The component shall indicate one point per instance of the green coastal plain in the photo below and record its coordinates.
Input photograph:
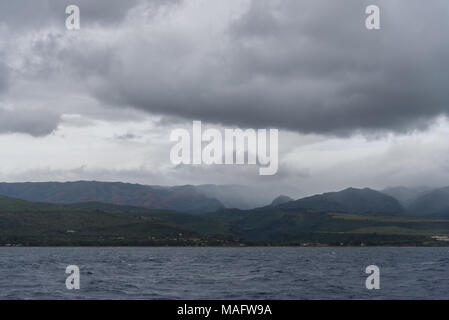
(24, 223)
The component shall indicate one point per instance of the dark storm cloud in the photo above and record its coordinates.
(32, 122)
(23, 14)
(35, 49)
(308, 66)
(4, 77)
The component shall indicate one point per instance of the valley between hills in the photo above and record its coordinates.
(116, 214)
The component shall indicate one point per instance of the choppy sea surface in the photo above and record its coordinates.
(224, 273)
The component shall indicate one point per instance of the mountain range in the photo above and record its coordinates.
(179, 198)
(394, 201)
(24, 223)
(351, 200)
(422, 201)
(101, 213)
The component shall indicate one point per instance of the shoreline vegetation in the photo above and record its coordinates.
(207, 243)
(329, 220)
(211, 246)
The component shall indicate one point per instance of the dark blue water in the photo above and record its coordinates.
(224, 273)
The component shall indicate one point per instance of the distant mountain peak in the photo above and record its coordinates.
(182, 198)
(281, 200)
(433, 203)
(406, 195)
(349, 200)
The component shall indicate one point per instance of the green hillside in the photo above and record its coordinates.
(179, 198)
(279, 226)
(99, 224)
(350, 200)
(27, 223)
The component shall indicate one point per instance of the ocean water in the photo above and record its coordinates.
(224, 273)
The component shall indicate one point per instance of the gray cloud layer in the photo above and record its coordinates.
(308, 66)
(25, 14)
(4, 78)
(33, 122)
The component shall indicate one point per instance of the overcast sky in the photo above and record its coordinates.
(354, 107)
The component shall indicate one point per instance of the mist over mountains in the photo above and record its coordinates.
(187, 198)
(394, 201)
(90, 213)
(422, 201)
(406, 195)
(434, 203)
